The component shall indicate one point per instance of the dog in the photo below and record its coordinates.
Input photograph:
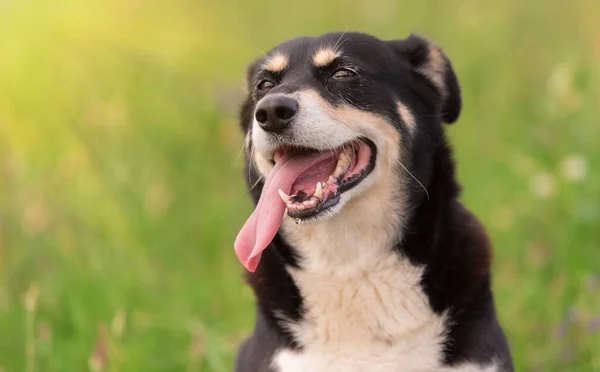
(359, 252)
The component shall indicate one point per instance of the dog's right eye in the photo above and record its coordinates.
(265, 85)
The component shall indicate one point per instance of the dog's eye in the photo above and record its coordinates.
(343, 73)
(265, 85)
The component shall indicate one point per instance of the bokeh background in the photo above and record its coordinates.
(121, 178)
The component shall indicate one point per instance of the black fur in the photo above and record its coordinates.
(441, 234)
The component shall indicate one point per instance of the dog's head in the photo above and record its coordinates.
(334, 119)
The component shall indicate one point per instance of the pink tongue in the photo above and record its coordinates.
(263, 224)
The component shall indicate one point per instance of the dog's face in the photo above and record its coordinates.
(341, 117)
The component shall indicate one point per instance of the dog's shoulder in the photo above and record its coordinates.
(255, 354)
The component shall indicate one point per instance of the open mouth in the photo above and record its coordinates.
(309, 182)
(331, 173)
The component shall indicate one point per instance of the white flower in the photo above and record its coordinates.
(574, 168)
(543, 185)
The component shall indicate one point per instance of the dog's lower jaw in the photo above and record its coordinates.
(366, 222)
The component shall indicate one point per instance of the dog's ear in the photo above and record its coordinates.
(246, 112)
(428, 61)
(247, 109)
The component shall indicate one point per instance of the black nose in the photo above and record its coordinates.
(274, 114)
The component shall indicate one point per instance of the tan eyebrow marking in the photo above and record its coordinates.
(407, 116)
(277, 62)
(324, 56)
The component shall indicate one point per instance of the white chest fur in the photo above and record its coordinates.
(374, 320)
(365, 309)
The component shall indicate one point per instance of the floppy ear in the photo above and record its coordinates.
(430, 62)
(246, 112)
(247, 107)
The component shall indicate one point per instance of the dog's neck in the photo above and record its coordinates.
(354, 239)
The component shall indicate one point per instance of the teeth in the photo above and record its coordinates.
(310, 203)
(331, 180)
(343, 159)
(319, 190)
(342, 162)
(338, 171)
(285, 197)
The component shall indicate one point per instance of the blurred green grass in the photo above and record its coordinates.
(120, 171)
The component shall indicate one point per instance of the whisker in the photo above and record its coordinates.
(344, 149)
(246, 144)
(255, 184)
(248, 137)
(261, 52)
(337, 43)
(250, 160)
(353, 147)
(415, 178)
